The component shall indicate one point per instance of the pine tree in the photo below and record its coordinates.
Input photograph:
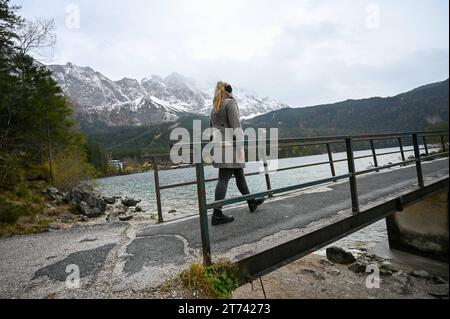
(35, 117)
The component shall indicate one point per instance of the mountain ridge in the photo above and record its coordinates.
(150, 101)
(409, 111)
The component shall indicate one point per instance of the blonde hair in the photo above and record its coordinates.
(220, 95)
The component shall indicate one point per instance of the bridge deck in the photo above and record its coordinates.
(288, 216)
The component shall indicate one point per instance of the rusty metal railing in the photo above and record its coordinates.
(348, 141)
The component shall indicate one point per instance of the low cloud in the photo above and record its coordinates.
(300, 52)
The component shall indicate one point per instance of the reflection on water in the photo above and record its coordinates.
(184, 200)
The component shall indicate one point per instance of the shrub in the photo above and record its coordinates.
(70, 169)
(9, 212)
(11, 170)
(218, 280)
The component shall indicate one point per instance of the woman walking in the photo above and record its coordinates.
(225, 115)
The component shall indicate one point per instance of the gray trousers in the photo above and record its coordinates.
(225, 175)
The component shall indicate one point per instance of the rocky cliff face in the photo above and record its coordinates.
(153, 100)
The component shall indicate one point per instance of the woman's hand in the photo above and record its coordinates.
(242, 155)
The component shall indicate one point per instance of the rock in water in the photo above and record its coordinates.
(110, 200)
(130, 202)
(338, 255)
(125, 218)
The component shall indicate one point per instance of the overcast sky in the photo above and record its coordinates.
(300, 52)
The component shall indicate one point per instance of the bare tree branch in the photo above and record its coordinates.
(36, 37)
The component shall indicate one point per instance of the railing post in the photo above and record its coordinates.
(157, 189)
(400, 143)
(330, 158)
(352, 172)
(374, 153)
(426, 146)
(443, 143)
(203, 212)
(418, 160)
(266, 173)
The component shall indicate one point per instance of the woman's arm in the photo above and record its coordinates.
(233, 114)
(235, 123)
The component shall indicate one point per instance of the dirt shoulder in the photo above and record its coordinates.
(314, 277)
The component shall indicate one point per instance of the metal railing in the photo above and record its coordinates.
(348, 141)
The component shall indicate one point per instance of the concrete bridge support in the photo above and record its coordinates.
(422, 228)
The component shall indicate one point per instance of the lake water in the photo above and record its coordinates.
(184, 200)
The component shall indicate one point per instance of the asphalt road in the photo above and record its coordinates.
(117, 260)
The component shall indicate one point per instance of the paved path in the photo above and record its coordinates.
(118, 260)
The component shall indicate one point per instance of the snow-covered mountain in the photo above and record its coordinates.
(153, 100)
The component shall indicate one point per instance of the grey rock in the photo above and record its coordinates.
(84, 218)
(121, 209)
(84, 208)
(130, 202)
(59, 199)
(438, 280)
(138, 209)
(110, 200)
(125, 218)
(66, 217)
(52, 191)
(358, 267)
(112, 216)
(89, 211)
(365, 260)
(387, 269)
(65, 197)
(89, 203)
(422, 274)
(404, 283)
(338, 255)
(53, 227)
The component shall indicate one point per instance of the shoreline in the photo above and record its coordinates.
(402, 275)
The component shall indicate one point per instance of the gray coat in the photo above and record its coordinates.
(227, 117)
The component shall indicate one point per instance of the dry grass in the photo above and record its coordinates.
(216, 281)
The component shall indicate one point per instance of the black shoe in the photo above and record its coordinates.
(254, 204)
(220, 218)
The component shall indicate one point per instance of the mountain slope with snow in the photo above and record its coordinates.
(151, 101)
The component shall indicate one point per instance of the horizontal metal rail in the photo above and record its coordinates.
(384, 167)
(191, 183)
(245, 198)
(337, 139)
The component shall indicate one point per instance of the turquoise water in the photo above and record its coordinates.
(184, 200)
